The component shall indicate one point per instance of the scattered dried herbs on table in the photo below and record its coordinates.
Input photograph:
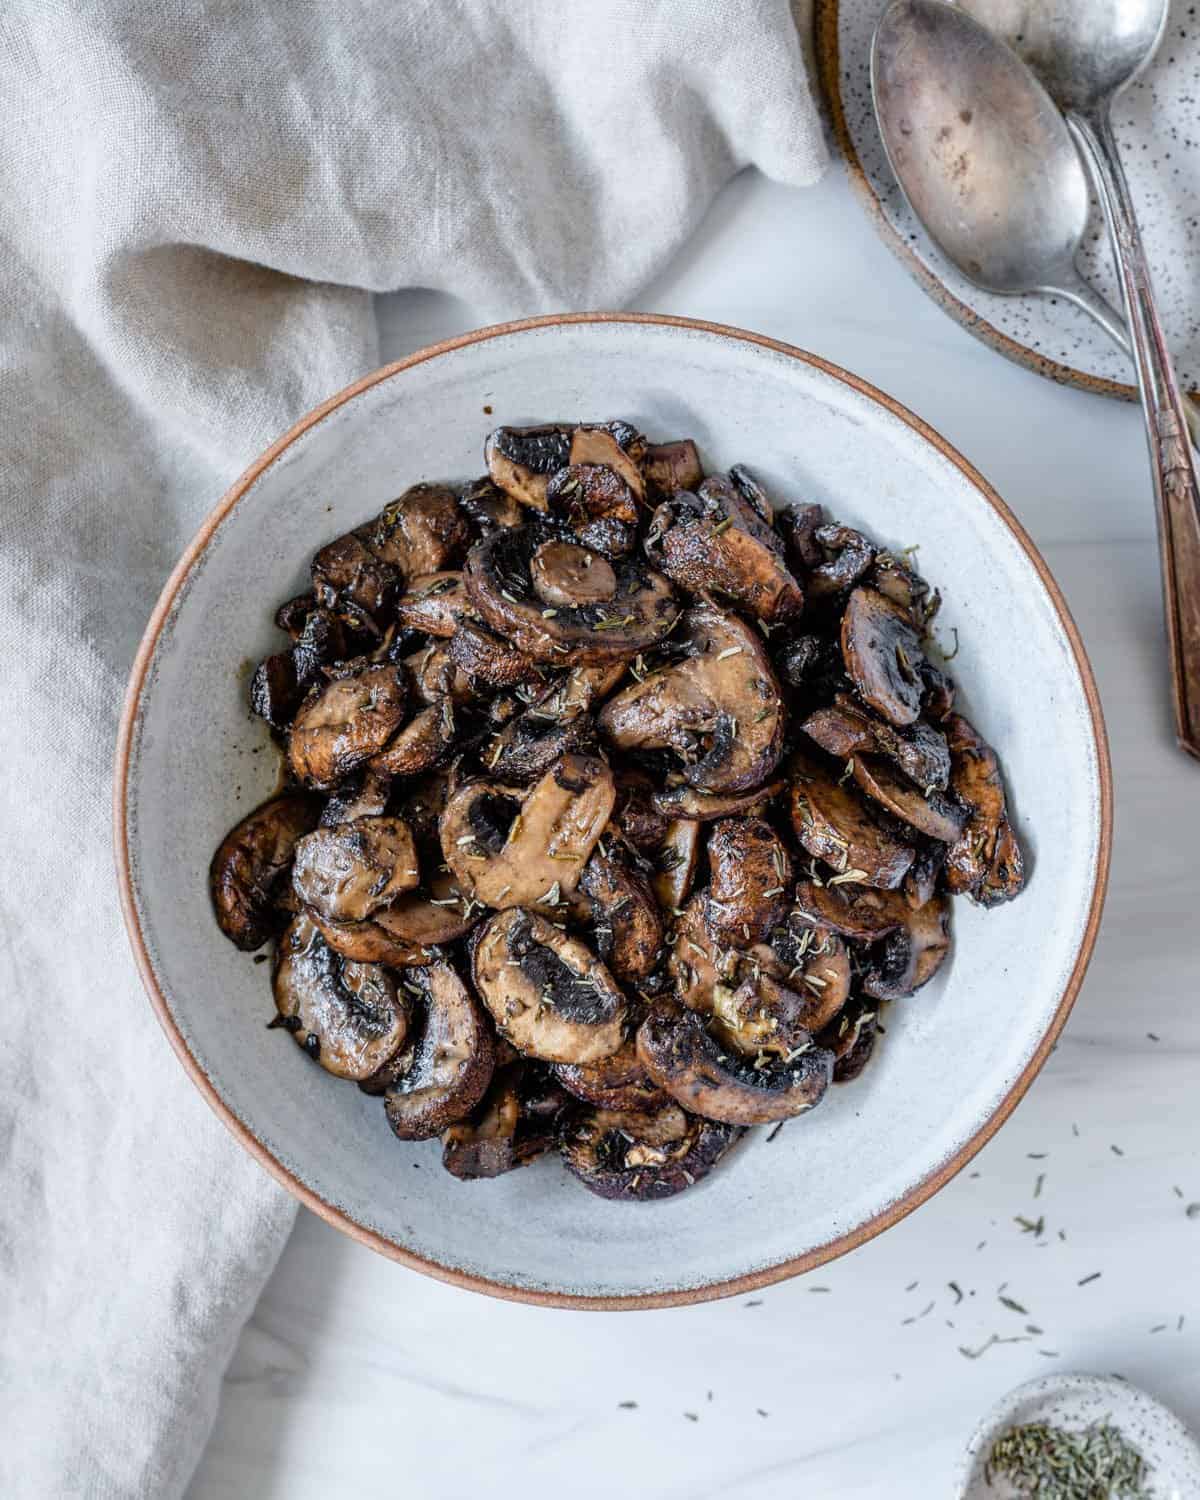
(1053, 1463)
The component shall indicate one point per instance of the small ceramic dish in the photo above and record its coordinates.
(956, 1058)
(1078, 1401)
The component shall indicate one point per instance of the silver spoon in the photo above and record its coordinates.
(986, 161)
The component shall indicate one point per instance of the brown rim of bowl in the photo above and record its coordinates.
(828, 58)
(754, 1280)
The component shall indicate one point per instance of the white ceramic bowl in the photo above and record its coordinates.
(956, 1057)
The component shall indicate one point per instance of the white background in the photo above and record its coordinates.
(356, 1376)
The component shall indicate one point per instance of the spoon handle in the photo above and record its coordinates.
(1175, 484)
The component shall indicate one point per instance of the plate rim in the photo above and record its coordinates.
(920, 1191)
(827, 51)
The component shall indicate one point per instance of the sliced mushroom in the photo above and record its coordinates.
(369, 943)
(435, 675)
(420, 533)
(686, 1060)
(598, 505)
(798, 525)
(513, 1123)
(719, 708)
(363, 795)
(345, 723)
(275, 691)
(675, 863)
(291, 615)
(643, 1157)
(716, 540)
(750, 879)
(422, 743)
(563, 573)
(499, 578)
(833, 823)
(521, 459)
(883, 656)
(685, 803)
(348, 872)
(548, 993)
(615, 1082)
(986, 860)
(434, 603)
(553, 725)
(858, 912)
(250, 869)
(347, 1016)
(438, 913)
(814, 663)
(521, 846)
(910, 957)
(486, 505)
(321, 644)
(447, 1070)
(752, 492)
(933, 813)
(487, 658)
(625, 917)
(354, 583)
(670, 467)
(852, 1041)
(924, 873)
(846, 729)
(896, 581)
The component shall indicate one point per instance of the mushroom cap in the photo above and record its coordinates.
(249, 870)
(883, 656)
(426, 739)
(349, 871)
(357, 585)
(547, 992)
(832, 822)
(369, 943)
(487, 658)
(719, 708)
(859, 912)
(675, 860)
(521, 460)
(852, 555)
(986, 859)
(933, 813)
(615, 1082)
(670, 467)
(422, 532)
(909, 957)
(625, 918)
(450, 1065)
(750, 879)
(566, 574)
(434, 603)
(643, 1156)
(345, 723)
(686, 804)
(598, 505)
(845, 729)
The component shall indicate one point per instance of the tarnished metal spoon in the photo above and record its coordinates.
(987, 163)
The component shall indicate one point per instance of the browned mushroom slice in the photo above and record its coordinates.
(438, 913)
(670, 467)
(933, 813)
(896, 581)
(643, 1157)
(349, 579)
(420, 533)
(422, 743)
(640, 611)
(488, 659)
(883, 656)
(486, 505)
(686, 1060)
(435, 675)
(616, 1082)
(752, 491)
(348, 872)
(750, 878)
(852, 1040)
(625, 917)
(986, 860)
(275, 690)
(719, 708)
(525, 846)
(548, 993)
(685, 803)
(250, 868)
(554, 724)
(858, 912)
(563, 573)
(514, 1122)
(848, 556)
(363, 795)
(798, 525)
(347, 1016)
(675, 863)
(434, 604)
(716, 540)
(447, 1070)
(291, 615)
(833, 823)
(598, 505)
(521, 460)
(846, 729)
(345, 723)
(321, 645)
(368, 943)
(766, 1017)
(921, 881)
(911, 956)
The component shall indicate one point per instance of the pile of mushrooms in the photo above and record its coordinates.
(618, 802)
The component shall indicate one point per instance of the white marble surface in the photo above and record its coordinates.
(356, 1376)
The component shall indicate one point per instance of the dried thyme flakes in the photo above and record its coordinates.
(1097, 1463)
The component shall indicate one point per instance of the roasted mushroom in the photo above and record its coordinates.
(354, 583)
(670, 467)
(345, 723)
(275, 690)
(750, 877)
(687, 804)
(434, 603)
(363, 795)
(348, 872)
(521, 460)
(347, 1016)
(445, 1073)
(553, 725)
(615, 1082)
(488, 508)
(434, 675)
(986, 860)
(643, 1156)
(512, 846)
(547, 992)
(597, 505)
(422, 743)
(422, 532)
(499, 576)
(933, 813)
(488, 659)
(852, 1041)
(848, 555)
(625, 917)
(686, 1060)
(910, 957)
(884, 656)
(675, 863)
(798, 525)
(515, 1122)
(833, 823)
(370, 943)
(718, 709)
(846, 729)
(859, 912)
(250, 869)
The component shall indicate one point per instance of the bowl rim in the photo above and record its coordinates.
(920, 1191)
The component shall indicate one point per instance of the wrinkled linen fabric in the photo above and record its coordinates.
(196, 202)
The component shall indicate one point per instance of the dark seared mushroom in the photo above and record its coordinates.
(424, 741)
(499, 578)
(434, 603)
(435, 675)
(670, 467)
(566, 574)
(488, 508)
(291, 615)
(848, 555)
(364, 794)
(445, 1073)
(924, 873)
(884, 656)
(716, 540)
(250, 869)
(514, 1122)
(488, 659)
(625, 917)
(846, 729)
(852, 1040)
(675, 860)
(438, 913)
(321, 644)
(719, 708)
(420, 533)
(554, 724)
(986, 860)
(348, 872)
(524, 846)
(858, 912)
(752, 492)
(598, 506)
(910, 957)
(342, 725)
(685, 803)
(750, 878)
(521, 460)
(275, 691)
(896, 581)
(798, 525)
(548, 993)
(369, 943)
(686, 1060)
(615, 1082)
(354, 583)
(347, 1016)
(643, 1157)
(935, 814)
(832, 822)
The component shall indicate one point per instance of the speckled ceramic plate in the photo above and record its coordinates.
(956, 1058)
(1079, 1401)
(1158, 126)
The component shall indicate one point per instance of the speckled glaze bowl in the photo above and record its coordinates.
(957, 1056)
